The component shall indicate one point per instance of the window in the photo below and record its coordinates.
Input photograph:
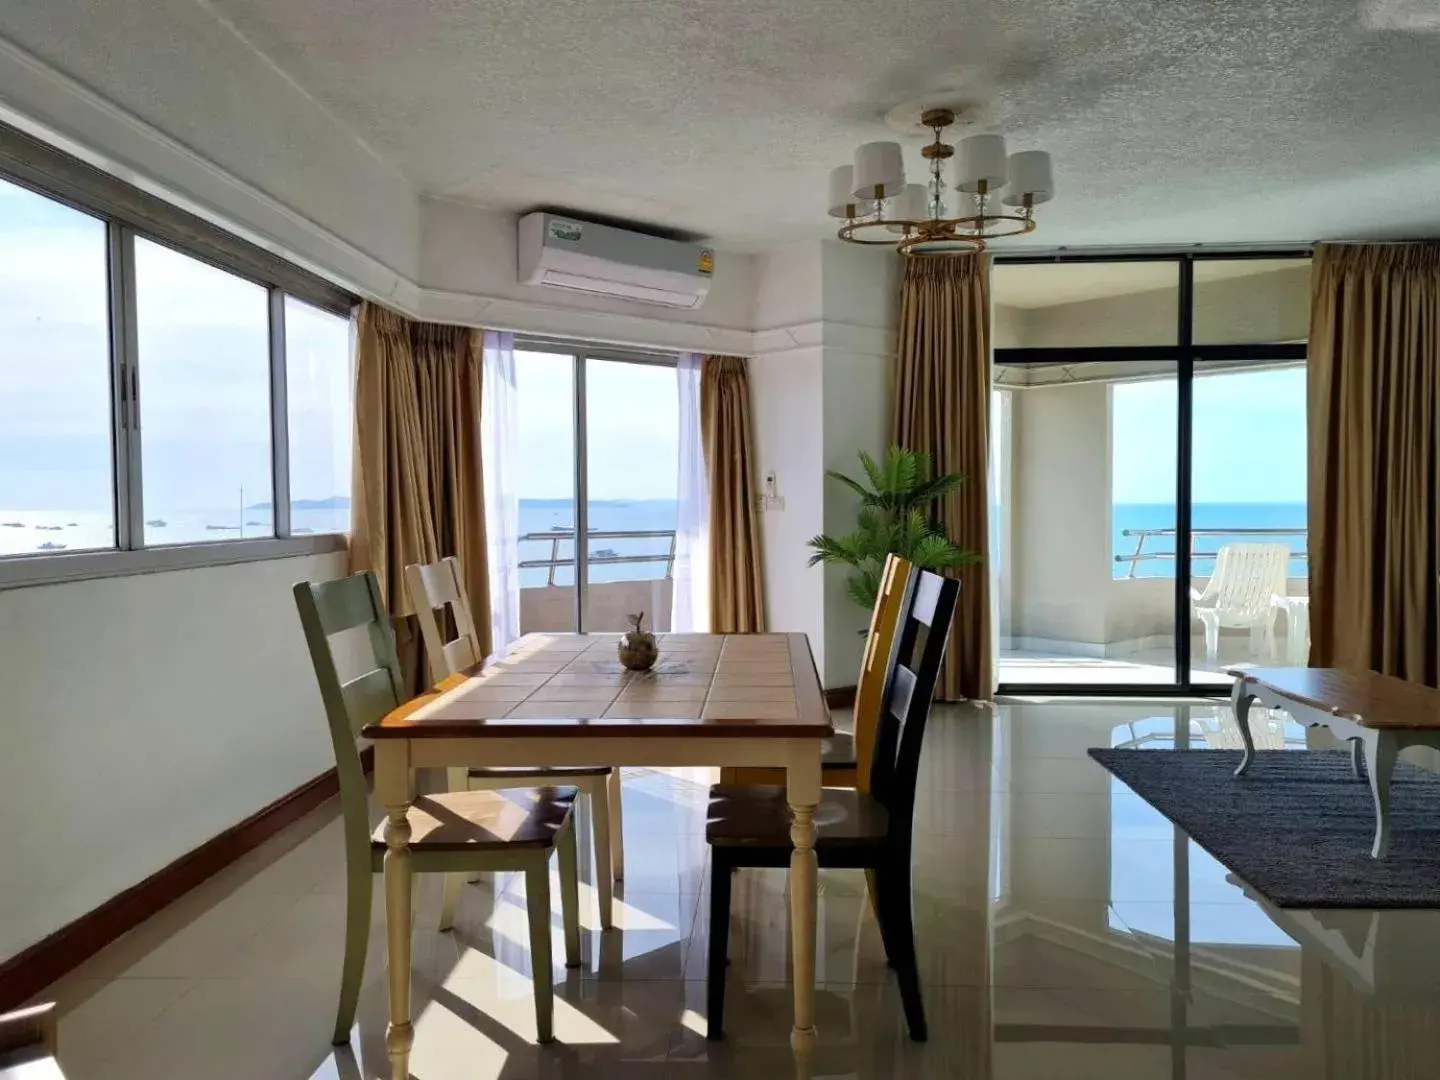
(319, 398)
(1155, 451)
(56, 486)
(623, 441)
(161, 384)
(204, 361)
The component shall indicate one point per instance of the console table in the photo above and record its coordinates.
(1379, 715)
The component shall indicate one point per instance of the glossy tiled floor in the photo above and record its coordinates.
(1065, 929)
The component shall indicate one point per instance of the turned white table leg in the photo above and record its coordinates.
(394, 790)
(1240, 699)
(1357, 752)
(803, 793)
(1380, 753)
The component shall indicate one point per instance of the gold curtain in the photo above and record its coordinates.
(1374, 454)
(737, 584)
(418, 489)
(942, 405)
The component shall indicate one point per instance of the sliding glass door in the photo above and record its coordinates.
(599, 435)
(632, 437)
(1148, 471)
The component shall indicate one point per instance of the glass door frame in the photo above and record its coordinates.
(579, 353)
(1184, 354)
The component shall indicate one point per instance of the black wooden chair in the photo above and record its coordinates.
(750, 826)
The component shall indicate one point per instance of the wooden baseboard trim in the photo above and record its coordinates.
(842, 697)
(30, 971)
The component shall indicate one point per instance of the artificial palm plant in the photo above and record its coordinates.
(896, 517)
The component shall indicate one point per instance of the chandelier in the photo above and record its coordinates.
(997, 194)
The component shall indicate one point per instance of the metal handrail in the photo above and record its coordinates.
(1139, 555)
(555, 536)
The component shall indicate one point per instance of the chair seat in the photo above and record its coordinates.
(486, 820)
(838, 752)
(522, 772)
(759, 817)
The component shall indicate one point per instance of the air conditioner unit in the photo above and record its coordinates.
(566, 253)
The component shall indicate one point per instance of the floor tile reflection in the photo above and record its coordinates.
(1064, 928)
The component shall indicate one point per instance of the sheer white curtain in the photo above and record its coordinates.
(500, 447)
(690, 603)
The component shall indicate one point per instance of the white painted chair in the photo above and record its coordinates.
(1239, 595)
(454, 833)
(437, 586)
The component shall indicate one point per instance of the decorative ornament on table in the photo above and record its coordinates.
(638, 650)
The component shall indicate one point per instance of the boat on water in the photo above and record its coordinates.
(50, 545)
(605, 553)
(12, 524)
(223, 528)
(157, 523)
(49, 528)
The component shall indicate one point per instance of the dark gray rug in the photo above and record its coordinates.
(1298, 826)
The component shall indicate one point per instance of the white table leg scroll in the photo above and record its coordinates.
(395, 791)
(1240, 698)
(803, 793)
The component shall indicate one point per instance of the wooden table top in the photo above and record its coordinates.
(567, 685)
(1365, 697)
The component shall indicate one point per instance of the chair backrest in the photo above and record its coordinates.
(1248, 575)
(874, 666)
(328, 608)
(433, 588)
(927, 610)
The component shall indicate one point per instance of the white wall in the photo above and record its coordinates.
(786, 405)
(1061, 472)
(860, 291)
(825, 315)
(142, 716)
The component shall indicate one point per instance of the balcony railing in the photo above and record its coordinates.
(1140, 555)
(557, 536)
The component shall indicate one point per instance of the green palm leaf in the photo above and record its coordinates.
(897, 496)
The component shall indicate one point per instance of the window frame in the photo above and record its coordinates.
(127, 213)
(579, 353)
(1185, 354)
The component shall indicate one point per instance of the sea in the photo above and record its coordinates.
(1219, 516)
(542, 519)
(33, 532)
(544, 523)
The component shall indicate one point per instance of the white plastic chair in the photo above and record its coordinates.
(1239, 594)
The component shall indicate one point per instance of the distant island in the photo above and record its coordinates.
(334, 502)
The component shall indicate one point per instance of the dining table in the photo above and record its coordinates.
(746, 700)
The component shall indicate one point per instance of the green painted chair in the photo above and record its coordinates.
(454, 833)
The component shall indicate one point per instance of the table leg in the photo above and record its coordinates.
(395, 791)
(1240, 699)
(803, 793)
(1357, 752)
(1380, 763)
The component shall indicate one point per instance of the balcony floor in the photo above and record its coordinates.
(1150, 667)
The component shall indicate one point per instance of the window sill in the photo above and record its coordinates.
(24, 571)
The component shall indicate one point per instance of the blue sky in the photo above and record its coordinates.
(1249, 438)
(632, 428)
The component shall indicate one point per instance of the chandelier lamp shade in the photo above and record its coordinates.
(997, 193)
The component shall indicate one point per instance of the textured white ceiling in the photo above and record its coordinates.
(1171, 122)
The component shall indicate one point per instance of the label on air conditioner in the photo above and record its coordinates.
(565, 230)
(707, 261)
